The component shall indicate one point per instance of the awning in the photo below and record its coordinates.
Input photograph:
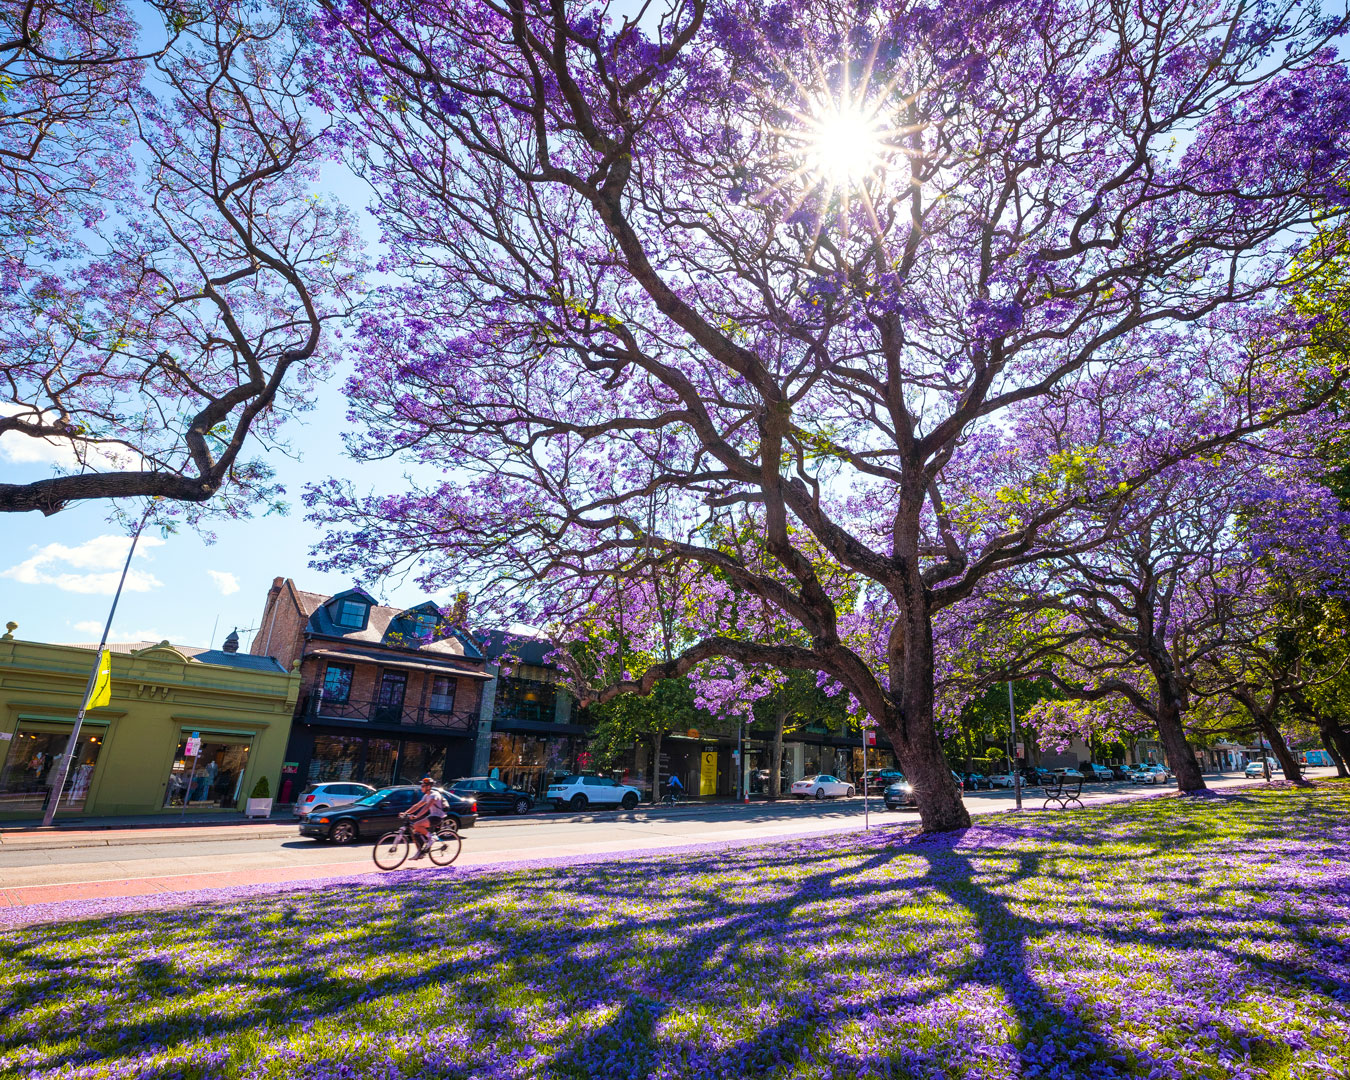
(422, 664)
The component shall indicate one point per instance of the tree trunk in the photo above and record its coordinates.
(1289, 763)
(1329, 744)
(776, 755)
(1179, 753)
(913, 734)
(1341, 740)
(656, 767)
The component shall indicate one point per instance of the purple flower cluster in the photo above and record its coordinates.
(1162, 938)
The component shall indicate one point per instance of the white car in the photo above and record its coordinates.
(821, 787)
(322, 797)
(1153, 774)
(582, 791)
(1003, 780)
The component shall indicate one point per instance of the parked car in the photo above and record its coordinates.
(491, 794)
(899, 794)
(1068, 774)
(578, 792)
(1153, 774)
(1035, 775)
(326, 796)
(881, 779)
(1092, 771)
(376, 814)
(973, 781)
(821, 786)
(1255, 768)
(1120, 772)
(1001, 780)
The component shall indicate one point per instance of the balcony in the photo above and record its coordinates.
(316, 708)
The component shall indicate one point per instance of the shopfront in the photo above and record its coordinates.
(327, 755)
(30, 767)
(185, 729)
(530, 761)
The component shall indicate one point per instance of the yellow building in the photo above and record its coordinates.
(186, 729)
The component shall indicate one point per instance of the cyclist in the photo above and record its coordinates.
(426, 812)
(674, 788)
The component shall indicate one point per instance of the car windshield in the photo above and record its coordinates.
(375, 796)
(567, 781)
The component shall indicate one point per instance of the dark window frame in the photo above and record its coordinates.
(340, 607)
(337, 665)
(433, 706)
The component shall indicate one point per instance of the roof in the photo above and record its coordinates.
(194, 653)
(377, 626)
(499, 643)
(418, 661)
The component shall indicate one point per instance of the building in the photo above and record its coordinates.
(530, 729)
(187, 728)
(387, 695)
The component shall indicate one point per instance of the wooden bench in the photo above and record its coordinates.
(1062, 791)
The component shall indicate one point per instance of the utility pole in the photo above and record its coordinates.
(72, 743)
(1017, 760)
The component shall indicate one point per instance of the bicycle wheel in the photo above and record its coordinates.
(444, 847)
(390, 850)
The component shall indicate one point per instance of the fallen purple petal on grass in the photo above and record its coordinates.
(1164, 938)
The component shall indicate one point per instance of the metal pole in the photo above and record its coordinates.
(867, 815)
(63, 770)
(1017, 762)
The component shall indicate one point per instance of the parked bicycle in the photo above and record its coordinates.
(392, 849)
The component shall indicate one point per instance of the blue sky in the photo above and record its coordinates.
(57, 573)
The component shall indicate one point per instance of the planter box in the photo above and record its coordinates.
(260, 808)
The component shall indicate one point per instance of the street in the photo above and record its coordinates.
(40, 867)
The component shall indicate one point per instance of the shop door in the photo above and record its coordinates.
(210, 778)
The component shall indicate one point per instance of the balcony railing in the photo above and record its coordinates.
(366, 711)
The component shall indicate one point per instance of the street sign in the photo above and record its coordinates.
(1021, 751)
(871, 737)
(193, 746)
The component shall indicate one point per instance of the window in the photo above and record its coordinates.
(351, 614)
(389, 701)
(337, 682)
(212, 778)
(335, 758)
(30, 768)
(443, 694)
(525, 699)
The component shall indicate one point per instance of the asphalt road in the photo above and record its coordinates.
(37, 868)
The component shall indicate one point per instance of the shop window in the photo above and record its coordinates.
(337, 683)
(335, 757)
(530, 763)
(381, 762)
(30, 769)
(443, 693)
(418, 759)
(211, 777)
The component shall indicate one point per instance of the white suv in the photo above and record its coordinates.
(327, 796)
(579, 792)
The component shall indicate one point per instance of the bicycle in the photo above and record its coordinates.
(671, 797)
(391, 849)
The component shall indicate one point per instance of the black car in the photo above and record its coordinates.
(372, 817)
(900, 794)
(881, 779)
(1120, 772)
(972, 781)
(491, 794)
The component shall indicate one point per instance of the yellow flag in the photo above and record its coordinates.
(102, 692)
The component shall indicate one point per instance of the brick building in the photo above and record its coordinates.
(386, 694)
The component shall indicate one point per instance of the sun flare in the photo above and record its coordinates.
(845, 144)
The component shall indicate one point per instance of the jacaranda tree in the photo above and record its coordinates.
(807, 271)
(166, 269)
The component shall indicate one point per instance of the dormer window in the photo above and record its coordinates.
(351, 614)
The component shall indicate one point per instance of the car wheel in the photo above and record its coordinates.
(522, 806)
(344, 832)
(820, 793)
(578, 802)
(629, 801)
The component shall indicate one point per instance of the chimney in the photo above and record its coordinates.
(232, 642)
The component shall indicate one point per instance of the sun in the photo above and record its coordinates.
(845, 144)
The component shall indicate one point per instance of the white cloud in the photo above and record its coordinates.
(20, 449)
(95, 629)
(226, 583)
(102, 553)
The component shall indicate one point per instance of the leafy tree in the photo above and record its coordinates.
(926, 290)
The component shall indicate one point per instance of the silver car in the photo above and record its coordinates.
(327, 796)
